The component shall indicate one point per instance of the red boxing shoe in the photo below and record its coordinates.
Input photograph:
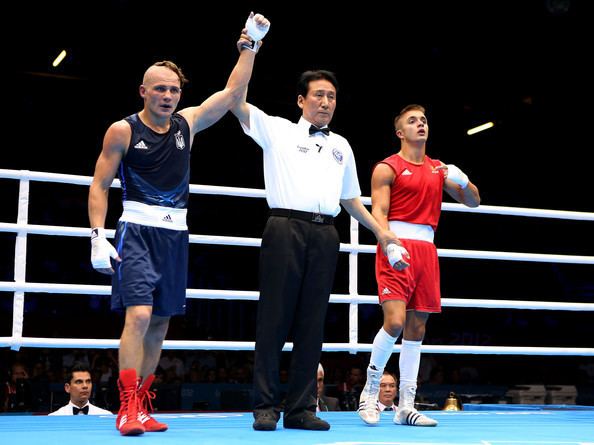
(145, 396)
(127, 421)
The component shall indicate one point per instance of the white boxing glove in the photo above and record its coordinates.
(395, 253)
(101, 249)
(255, 31)
(457, 175)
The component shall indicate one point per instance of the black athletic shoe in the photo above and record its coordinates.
(264, 421)
(306, 421)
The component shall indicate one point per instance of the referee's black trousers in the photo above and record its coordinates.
(297, 267)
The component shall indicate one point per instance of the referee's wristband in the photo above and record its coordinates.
(97, 233)
(255, 46)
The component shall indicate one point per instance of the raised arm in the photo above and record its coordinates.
(215, 107)
(241, 110)
(256, 29)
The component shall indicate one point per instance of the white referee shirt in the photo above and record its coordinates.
(66, 410)
(304, 172)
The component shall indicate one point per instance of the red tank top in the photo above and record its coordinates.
(417, 190)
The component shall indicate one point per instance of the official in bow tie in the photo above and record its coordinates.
(305, 187)
(313, 130)
(76, 411)
(79, 386)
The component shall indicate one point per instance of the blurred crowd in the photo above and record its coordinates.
(33, 379)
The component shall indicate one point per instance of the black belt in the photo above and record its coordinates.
(305, 216)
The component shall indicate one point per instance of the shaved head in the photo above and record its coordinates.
(157, 74)
(161, 88)
(164, 71)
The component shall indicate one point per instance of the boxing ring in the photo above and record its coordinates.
(528, 427)
(467, 427)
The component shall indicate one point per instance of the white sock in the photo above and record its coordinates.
(409, 362)
(383, 345)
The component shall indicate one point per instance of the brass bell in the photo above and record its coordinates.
(452, 403)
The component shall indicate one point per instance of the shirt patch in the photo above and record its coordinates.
(141, 145)
(338, 156)
(406, 172)
(179, 140)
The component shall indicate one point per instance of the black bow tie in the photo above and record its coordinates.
(388, 408)
(313, 130)
(76, 411)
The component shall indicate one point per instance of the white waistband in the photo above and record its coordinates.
(405, 230)
(154, 216)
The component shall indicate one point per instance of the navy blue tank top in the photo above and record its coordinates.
(156, 168)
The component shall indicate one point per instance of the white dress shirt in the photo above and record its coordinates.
(66, 410)
(311, 173)
(383, 407)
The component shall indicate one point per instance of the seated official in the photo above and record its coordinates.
(79, 385)
(387, 392)
(325, 403)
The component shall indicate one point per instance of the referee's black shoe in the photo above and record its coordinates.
(306, 421)
(265, 421)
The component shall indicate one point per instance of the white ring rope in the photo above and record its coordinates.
(258, 193)
(255, 242)
(20, 286)
(242, 295)
(329, 347)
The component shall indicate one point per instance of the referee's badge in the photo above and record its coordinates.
(338, 157)
(179, 140)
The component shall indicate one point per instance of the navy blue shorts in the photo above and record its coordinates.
(153, 271)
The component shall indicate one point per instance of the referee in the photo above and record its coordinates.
(309, 171)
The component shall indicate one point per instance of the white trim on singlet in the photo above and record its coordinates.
(154, 216)
(406, 230)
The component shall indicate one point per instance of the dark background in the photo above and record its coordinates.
(523, 64)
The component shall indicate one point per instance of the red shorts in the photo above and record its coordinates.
(418, 284)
